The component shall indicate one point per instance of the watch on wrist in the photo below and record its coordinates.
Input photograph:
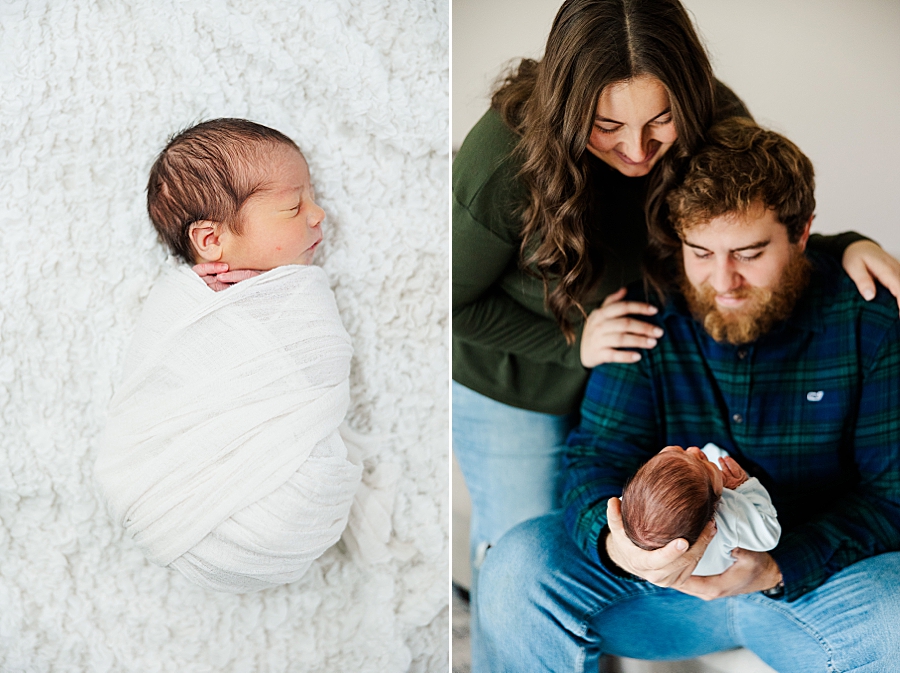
(775, 592)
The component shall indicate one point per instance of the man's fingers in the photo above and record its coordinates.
(670, 553)
(700, 587)
(614, 515)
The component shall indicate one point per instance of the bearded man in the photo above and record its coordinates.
(770, 353)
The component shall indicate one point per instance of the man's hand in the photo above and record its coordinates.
(733, 475)
(752, 571)
(669, 566)
(218, 277)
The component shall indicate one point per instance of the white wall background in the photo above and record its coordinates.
(826, 73)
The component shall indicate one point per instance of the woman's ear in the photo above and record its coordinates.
(206, 240)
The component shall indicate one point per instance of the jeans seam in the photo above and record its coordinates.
(815, 635)
(589, 617)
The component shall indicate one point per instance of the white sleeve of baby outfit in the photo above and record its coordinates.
(746, 517)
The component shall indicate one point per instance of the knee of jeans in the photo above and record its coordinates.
(511, 571)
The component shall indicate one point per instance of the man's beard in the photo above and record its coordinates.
(762, 310)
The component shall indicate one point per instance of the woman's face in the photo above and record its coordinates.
(633, 126)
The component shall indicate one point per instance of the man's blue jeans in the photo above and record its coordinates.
(544, 606)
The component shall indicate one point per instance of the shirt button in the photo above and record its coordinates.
(742, 354)
(737, 418)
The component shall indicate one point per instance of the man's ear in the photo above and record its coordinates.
(804, 237)
(206, 240)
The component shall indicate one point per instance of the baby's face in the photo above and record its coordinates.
(282, 223)
(697, 458)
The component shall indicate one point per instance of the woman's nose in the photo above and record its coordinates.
(635, 145)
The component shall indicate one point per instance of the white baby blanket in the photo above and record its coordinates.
(222, 455)
(745, 518)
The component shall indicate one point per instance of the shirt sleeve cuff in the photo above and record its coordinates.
(607, 563)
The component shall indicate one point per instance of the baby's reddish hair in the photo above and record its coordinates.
(667, 498)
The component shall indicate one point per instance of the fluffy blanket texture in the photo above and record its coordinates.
(90, 90)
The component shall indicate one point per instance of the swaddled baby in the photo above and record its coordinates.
(222, 456)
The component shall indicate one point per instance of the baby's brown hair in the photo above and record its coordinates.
(666, 499)
(207, 172)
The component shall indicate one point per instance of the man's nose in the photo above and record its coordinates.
(725, 277)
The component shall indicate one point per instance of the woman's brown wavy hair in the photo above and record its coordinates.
(551, 104)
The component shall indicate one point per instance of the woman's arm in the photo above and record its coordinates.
(863, 260)
(483, 312)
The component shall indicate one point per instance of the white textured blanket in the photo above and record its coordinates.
(89, 91)
(222, 455)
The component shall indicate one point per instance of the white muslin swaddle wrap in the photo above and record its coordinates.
(223, 455)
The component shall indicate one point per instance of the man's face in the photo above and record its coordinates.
(742, 274)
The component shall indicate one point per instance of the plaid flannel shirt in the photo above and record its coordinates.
(812, 409)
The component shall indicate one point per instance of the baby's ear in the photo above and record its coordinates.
(206, 240)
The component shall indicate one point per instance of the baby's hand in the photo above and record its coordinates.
(218, 277)
(733, 475)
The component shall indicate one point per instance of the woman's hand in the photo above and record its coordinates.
(610, 328)
(670, 566)
(865, 262)
(218, 277)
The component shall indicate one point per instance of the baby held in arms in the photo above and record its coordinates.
(677, 492)
(225, 455)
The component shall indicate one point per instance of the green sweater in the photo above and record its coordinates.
(506, 343)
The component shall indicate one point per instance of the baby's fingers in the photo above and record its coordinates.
(237, 275)
(734, 469)
(209, 268)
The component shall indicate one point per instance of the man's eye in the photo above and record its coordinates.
(702, 255)
(748, 258)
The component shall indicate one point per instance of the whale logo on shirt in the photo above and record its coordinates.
(815, 395)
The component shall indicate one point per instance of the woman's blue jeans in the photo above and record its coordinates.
(544, 606)
(510, 460)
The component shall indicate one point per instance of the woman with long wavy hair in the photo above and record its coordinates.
(552, 191)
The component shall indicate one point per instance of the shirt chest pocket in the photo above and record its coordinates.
(817, 409)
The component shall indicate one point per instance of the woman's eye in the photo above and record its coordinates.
(606, 130)
(702, 255)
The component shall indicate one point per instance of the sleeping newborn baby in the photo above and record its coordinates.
(677, 492)
(224, 455)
